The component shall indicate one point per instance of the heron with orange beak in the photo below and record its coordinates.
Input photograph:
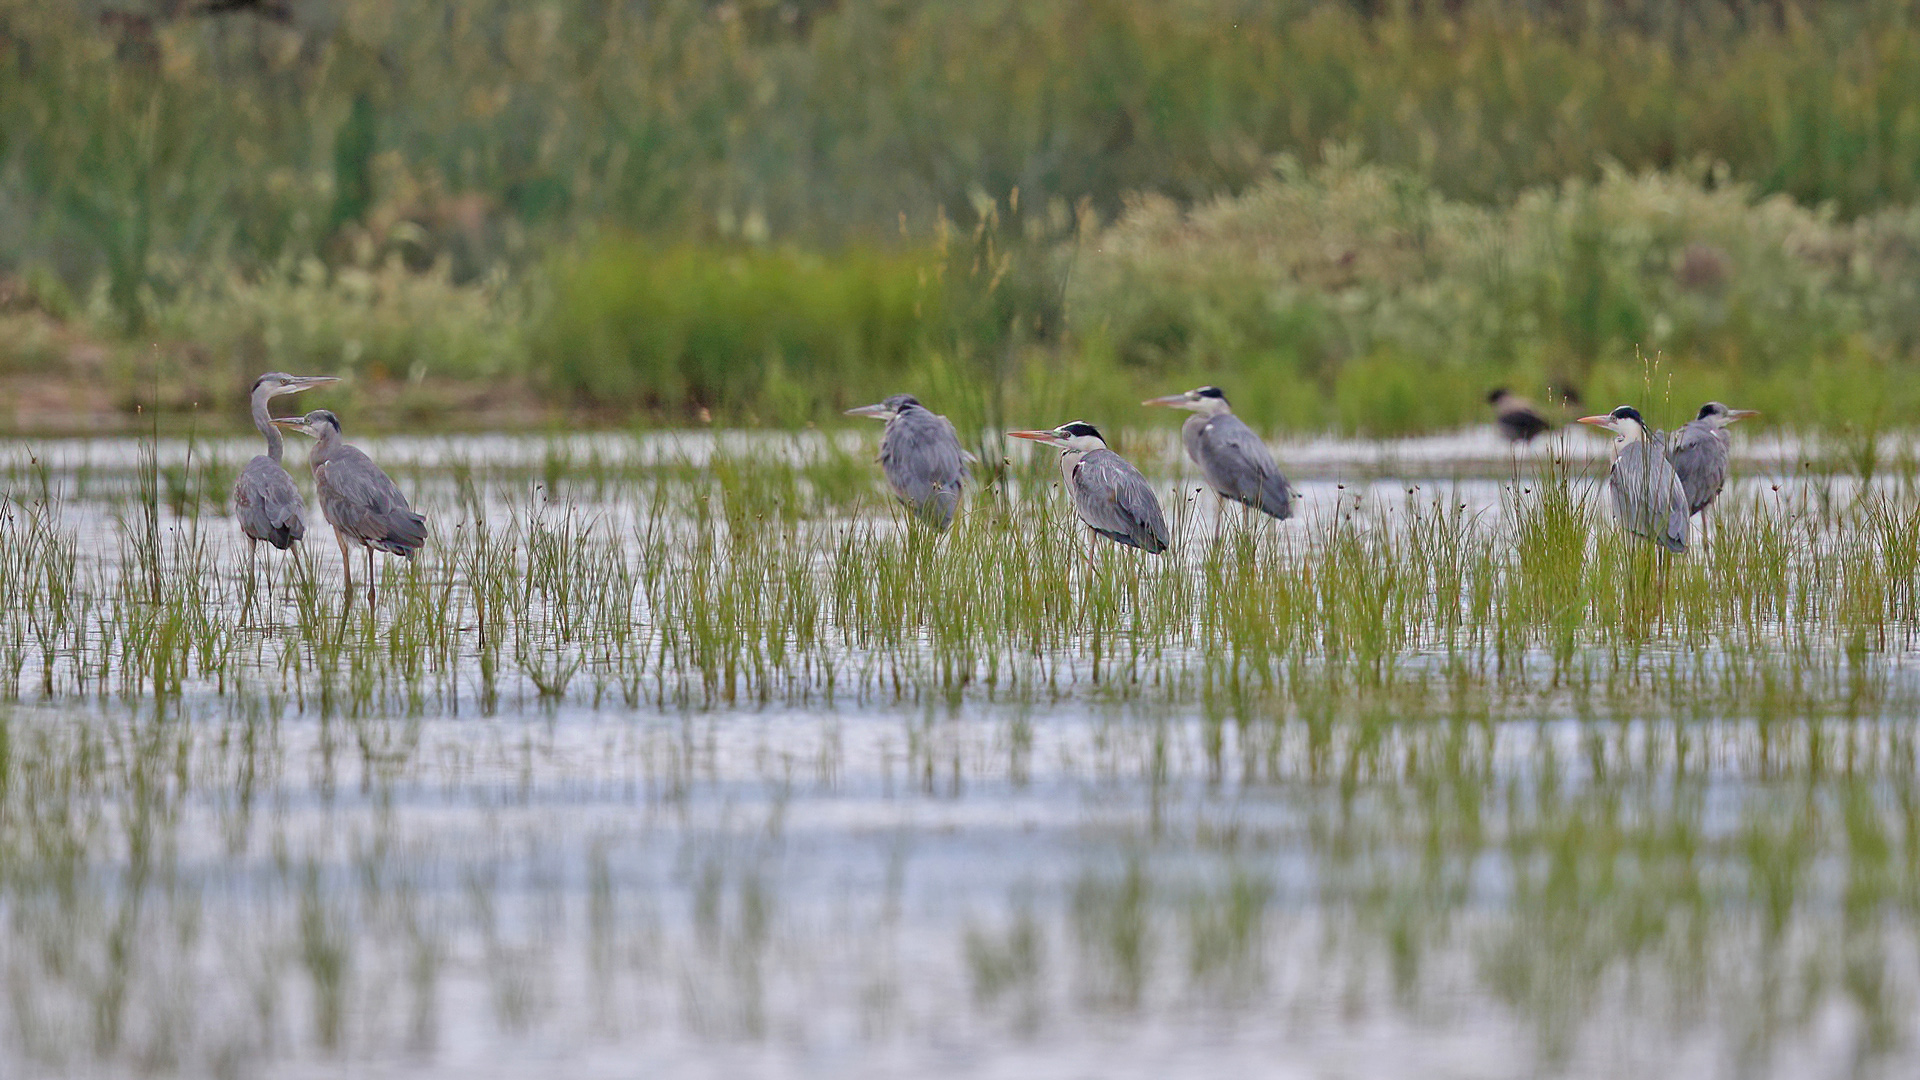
(1648, 497)
(1235, 463)
(1108, 493)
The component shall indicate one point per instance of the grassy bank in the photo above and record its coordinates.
(1344, 297)
(766, 212)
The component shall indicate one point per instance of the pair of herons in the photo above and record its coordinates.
(1658, 482)
(925, 466)
(362, 503)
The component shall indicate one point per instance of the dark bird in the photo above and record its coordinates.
(1232, 459)
(1108, 494)
(361, 503)
(1700, 450)
(1648, 497)
(265, 501)
(921, 457)
(1517, 418)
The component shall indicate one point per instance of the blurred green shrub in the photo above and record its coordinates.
(1359, 296)
(635, 323)
(146, 130)
(384, 321)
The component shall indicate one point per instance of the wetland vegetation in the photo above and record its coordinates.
(1354, 216)
(695, 741)
(684, 752)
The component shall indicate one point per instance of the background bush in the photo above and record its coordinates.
(666, 326)
(261, 183)
(1356, 296)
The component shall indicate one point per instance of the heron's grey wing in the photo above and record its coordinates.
(1114, 500)
(267, 504)
(1699, 453)
(1679, 514)
(1648, 496)
(924, 464)
(363, 502)
(1237, 464)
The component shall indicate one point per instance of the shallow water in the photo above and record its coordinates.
(298, 854)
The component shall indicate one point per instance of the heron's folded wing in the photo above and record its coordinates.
(1237, 463)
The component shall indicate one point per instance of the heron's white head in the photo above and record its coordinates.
(317, 424)
(887, 409)
(1718, 416)
(279, 384)
(1207, 400)
(1077, 437)
(1624, 422)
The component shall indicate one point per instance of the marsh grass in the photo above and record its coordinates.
(1457, 737)
(744, 579)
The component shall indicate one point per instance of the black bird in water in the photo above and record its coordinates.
(1517, 418)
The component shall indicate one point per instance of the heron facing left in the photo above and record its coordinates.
(1235, 463)
(1108, 493)
(1647, 493)
(362, 503)
(921, 457)
(265, 501)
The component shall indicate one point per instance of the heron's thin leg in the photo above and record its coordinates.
(253, 554)
(369, 575)
(346, 569)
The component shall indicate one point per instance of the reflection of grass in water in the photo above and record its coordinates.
(1723, 824)
(1601, 861)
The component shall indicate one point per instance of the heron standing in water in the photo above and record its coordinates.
(361, 503)
(1699, 452)
(921, 457)
(1647, 494)
(1232, 459)
(265, 501)
(1108, 493)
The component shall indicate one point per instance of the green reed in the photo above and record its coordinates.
(768, 578)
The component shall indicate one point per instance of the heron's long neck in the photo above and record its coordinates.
(263, 421)
(1069, 460)
(324, 446)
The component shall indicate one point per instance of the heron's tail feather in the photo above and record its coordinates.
(1676, 538)
(1275, 498)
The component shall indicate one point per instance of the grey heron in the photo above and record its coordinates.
(361, 503)
(1699, 451)
(921, 457)
(1647, 494)
(264, 498)
(1108, 494)
(1235, 463)
(1517, 417)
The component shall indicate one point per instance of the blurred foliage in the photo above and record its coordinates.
(662, 326)
(159, 158)
(1359, 297)
(383, 321)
